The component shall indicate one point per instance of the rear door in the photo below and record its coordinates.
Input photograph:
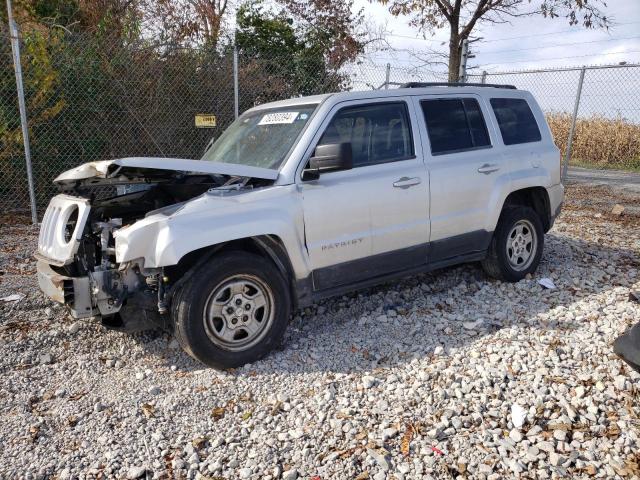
(465, 172)
(373, 219)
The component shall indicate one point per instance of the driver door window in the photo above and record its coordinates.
(378, 133)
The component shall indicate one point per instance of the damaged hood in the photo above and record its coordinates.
(133, 167)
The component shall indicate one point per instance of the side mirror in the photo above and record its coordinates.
(329, 158)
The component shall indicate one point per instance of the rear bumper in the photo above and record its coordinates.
(74, 292)
(556, 198)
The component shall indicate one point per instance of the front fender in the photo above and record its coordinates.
(162, 239)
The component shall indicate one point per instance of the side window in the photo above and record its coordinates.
(454, 125)
(516, 121)
(378, 133)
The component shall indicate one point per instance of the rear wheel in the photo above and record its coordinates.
(232, 311)
(516, 247)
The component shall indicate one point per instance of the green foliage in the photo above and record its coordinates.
(95, 88)
(260, 32)
(36, 13)
(10, 135)
(90, 98)
(62, 12)
(42, 98)
(293, 59)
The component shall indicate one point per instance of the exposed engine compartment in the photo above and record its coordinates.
(92, 282)
(119, 203)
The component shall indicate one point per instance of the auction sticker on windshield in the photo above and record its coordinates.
(278, 117)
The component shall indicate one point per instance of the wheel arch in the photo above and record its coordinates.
(270, 247)
(535, 197)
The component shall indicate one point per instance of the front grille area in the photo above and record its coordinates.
(61, 229)
(46, 241)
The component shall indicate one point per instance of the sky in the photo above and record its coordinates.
(525, 43)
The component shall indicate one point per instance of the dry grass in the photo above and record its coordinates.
(599, 142)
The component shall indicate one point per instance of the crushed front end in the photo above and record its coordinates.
(77, 266)
(81, 263)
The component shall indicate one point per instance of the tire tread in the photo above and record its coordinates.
(494, 264)
(187, 320)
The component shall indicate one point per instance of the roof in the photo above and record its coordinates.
(394, 92)
(290, 102)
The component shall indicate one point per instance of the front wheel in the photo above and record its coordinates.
(516, 247)
(233, 310)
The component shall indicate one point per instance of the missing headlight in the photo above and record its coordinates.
(70, 225)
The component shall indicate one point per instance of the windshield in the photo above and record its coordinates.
(260, 139)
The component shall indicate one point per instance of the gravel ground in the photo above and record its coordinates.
(442, 375)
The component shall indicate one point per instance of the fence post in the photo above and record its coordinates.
(17, 67)
(236, 95)
(484, 77)
(572, 130)
(387, 77)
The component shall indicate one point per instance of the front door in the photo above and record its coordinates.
(373, 219)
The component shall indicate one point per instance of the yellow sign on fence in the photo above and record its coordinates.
(205, 120)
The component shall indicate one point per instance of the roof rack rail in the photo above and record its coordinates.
(454, 84)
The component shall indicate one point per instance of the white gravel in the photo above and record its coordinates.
(446, 374)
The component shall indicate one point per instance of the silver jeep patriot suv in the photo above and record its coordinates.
(299, 200)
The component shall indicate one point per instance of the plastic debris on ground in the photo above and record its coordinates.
(547, 283)
(12, 298)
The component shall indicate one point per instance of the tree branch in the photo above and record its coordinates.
(445, 7)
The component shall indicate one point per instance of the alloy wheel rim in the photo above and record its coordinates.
(238, 312)
(522, 244)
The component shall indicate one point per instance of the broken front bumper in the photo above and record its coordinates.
(89, 297)
(74, 292)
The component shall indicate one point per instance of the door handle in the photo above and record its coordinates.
(406, 182)
(488, 168)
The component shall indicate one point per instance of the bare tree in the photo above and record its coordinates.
(337, 27)
(462, 16)
(211, 14)
(187, 21)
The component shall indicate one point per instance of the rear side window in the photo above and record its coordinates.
(516, 121)
(378, 133)
(454, 125)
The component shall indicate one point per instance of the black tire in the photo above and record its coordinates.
(497, 263)
(198, 333)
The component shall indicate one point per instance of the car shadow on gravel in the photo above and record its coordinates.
(432, 314)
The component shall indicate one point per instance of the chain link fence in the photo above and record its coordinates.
(90, 99)
(13, 170)
(601, 104)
